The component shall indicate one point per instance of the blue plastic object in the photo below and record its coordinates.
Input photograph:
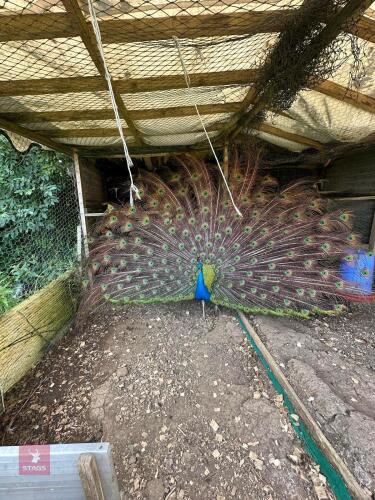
(357, 269)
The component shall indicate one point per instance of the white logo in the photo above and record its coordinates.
(35, 455)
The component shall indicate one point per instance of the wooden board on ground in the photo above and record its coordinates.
(354, 488)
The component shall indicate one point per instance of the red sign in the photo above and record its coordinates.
(34, 459)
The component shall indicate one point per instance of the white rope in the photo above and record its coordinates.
(129, 162)
(187, 80)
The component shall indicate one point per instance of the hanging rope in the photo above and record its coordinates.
(129, 162)
(187, 80)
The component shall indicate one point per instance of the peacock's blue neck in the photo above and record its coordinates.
(201, 290)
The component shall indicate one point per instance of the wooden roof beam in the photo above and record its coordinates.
(289, 136)
(113, 132)
(61, 25)
(106, 114)
(41, 26)
(87, 35)
(126, 86)
(352, 97)
(160, 83)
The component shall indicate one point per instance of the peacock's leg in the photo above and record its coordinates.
(203, 310)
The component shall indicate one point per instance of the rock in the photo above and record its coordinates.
(258, 464)
(214, 425)
(155, 489)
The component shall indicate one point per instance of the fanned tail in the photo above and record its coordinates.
(281, 257)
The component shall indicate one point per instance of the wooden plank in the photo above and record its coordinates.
(36, 26)
(59, 25)
(240, 77)
(178, 111)
(365, 29)
(113, 132)
(59, 116)
(125, 86)
(194, 26)
(357, 99)
(47, 86)
(371, 244)
(34, 136)
(94, 195)
(145, 29)
(87, 132)
(315, 431)
(299, 139)
(106, 114)
(87, 35)
(90, 477)
(140, 151)
(351, 198)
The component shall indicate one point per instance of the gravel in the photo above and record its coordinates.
(184, 401)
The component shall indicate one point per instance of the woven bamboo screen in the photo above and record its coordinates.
(53, 90)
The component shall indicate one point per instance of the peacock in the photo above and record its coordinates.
(279, 254)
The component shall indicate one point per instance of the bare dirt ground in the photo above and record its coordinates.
(185, 402)
(330, 362)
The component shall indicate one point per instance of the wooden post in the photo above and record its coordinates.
(225, 160)
(148, 163)
(81, 203)
(2, 403)
(90, 477)
(371, 243)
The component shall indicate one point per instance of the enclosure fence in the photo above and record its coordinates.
(40, 247)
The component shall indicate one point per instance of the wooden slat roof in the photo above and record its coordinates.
(53, 88)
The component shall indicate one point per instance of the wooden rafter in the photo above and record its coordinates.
(365, 28)
(106, 114)
(357, 99)
(60, 25)
(299, 139)
(160, 83)
(145, 29)
(126, 86)
(113, 132)
(35, 136)
(88, 38)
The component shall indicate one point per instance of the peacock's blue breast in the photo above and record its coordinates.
(201, 290)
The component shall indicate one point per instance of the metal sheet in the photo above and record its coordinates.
(63, 482)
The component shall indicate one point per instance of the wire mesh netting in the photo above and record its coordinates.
(39, 218)
(53, 81)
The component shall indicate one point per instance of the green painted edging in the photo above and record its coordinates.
(334, 478)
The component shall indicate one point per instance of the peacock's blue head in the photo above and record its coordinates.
(199, 265)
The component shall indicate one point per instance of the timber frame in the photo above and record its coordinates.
(49, 128)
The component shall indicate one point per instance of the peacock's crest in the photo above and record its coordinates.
(281, 257)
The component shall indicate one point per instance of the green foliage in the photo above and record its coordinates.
(38, 220)
(29, 187)
(6, 294)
